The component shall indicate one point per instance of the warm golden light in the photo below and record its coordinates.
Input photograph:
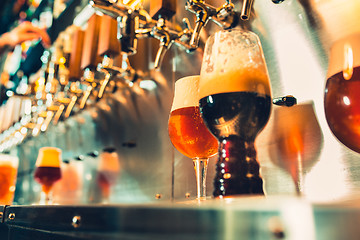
(348, 62)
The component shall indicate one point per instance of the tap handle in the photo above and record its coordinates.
(127, 27)
(162, 9)
(75, 71)
(287, 101)
(103, 85)
(86, 96)
(108, 43)
(70, 106)
(90, 57)
(58, 114)
(42, 126)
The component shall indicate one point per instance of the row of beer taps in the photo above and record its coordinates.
(72, 76)
(135, 23)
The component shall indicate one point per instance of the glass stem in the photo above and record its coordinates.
(200, 166)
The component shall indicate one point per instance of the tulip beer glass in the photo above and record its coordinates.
(342, 102)
(296, 140)
(107, 172)
(235, 103)
(188, 132)
(47, 170)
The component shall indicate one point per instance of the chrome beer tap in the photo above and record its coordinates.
(167, 37)
(224, 16)
(90, 57)
(138, 23)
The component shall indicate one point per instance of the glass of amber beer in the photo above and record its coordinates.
(341, 101)
(235, 103)
(48, 171)
(107, 172)
(188, 132)
(8, 172)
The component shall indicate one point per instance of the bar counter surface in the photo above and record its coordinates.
(275, 217)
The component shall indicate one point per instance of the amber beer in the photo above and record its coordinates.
(8, 173)
(187, 130)
(235, 103)
(342, 101)
(189, 134)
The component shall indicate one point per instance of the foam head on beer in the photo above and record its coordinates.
(186, 94)
(49, 157)
(109, 161)
(232, 63)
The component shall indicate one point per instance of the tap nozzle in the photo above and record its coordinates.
(277, 1)
(246, 9)
(203, 13)
(223, 16)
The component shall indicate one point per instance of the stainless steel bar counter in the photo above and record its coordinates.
(277, 217)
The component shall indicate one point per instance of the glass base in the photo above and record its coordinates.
(237, 169)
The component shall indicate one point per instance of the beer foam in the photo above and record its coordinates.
(233, 62)
(49, 157)
(247, 80)
(8, 160)
(344, 52)
(186, 92)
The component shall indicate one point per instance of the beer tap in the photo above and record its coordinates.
(167, 37)
(157, 27)
(90, 57)
(75, 71)
(223, 16)
(108, 48)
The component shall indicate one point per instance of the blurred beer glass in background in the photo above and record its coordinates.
(187, 130)
(69, 189)
(340, 23)
(295, 140)
(48, 171)
(8, 174)
(107, 172)
(342, 101)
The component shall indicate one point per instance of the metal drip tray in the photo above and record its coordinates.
(235, 218)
